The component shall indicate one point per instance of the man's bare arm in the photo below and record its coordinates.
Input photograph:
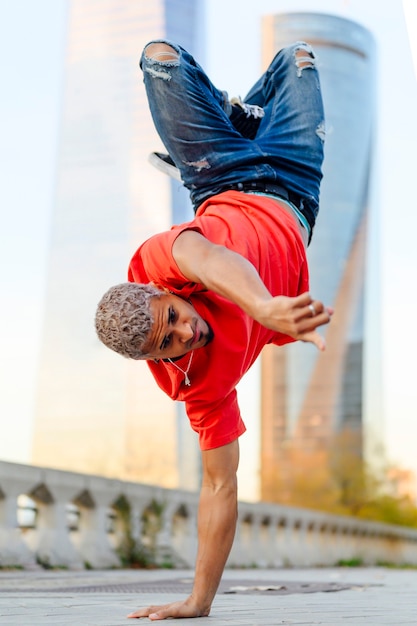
(216, 528)
(229, 274)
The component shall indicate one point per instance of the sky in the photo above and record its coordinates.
(32, 48)
(32, 40)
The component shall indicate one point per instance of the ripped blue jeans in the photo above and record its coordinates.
(191, 117)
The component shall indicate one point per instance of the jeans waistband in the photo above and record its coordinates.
(270, 188)
(275, 190)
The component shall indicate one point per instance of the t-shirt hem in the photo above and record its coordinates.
(223, 441)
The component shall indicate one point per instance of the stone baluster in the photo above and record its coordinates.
(268, 549)
(93, 542)
(51, 542)
(184, 529)
(13, 549)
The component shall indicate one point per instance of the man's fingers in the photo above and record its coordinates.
(312, 336)
(308, 322)
(314, 308)
(315, 314)
(315, 338)
(150, 610)
(159, 615)
(303, 299)
(305, 308)
(164, 611)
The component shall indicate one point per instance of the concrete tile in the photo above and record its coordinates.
(378, 598)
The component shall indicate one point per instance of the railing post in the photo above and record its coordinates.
(13, 549)
(51, 543)
(92, 540)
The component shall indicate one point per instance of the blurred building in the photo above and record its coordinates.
(308, 397)
(97, 412)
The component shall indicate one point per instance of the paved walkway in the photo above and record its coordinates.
(371, 597)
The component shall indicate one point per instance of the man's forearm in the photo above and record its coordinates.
(221, 270)
(216, 530)
(230, 275)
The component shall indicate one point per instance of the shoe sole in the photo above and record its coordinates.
(164, 167)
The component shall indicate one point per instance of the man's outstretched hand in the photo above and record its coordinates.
(183, 608)
(297, 317)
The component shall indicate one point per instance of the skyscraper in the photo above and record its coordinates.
(95, 411)
(307, 396)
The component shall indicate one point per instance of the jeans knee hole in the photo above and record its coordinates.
(161, 52)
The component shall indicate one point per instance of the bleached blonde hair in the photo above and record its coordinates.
(124, 318)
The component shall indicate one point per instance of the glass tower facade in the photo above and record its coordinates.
(308, 396)
(97, 412)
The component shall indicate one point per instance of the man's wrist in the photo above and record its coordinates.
(259, 309)
(201, 603)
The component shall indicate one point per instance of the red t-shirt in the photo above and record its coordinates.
(255, 227)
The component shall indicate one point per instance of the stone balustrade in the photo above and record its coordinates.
(66, 519)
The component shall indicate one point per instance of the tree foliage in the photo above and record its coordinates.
(336, 479)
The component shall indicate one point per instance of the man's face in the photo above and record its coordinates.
(177, 328)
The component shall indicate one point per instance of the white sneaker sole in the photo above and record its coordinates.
(164, 167)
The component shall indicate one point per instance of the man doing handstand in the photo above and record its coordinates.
(204, 297)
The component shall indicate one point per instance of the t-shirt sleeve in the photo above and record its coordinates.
(153, 262)
(217, 423)
(212, 409)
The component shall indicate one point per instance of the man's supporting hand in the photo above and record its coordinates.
(217, 517)
(184, 608)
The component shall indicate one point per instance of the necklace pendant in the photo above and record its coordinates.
(187, 381)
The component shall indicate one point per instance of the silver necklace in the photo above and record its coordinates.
(187, 381)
